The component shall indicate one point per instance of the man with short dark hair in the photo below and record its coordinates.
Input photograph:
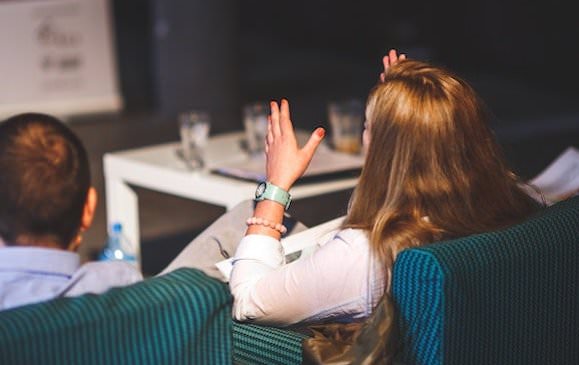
(46, 203)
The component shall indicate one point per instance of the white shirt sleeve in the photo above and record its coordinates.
(331, 282)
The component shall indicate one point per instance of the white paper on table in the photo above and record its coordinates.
(303, 241)
(560, 179)
(324, 162)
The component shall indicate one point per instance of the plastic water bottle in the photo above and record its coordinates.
(116, 246)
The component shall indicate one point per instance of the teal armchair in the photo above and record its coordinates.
(181, 318)
(504, 297)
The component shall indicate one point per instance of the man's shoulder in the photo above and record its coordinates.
(112, 270)
(99, 276)
(111, 265)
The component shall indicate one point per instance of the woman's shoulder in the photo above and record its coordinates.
(352, 233)
(351, 236)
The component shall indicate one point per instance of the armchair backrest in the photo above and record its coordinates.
(504, 297)
(183, 317)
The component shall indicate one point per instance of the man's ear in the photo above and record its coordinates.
(86, 219)
(89, 209)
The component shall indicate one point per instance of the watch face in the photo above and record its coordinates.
(260, 189)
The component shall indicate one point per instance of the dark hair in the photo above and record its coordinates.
(44, 179)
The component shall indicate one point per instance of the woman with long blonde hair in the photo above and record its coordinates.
(432, 171)
(433, 168)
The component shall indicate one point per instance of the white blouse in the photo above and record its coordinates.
(340, 281)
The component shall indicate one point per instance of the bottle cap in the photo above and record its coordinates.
(117, 227)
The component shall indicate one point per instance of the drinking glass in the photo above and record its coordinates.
(346, 125)
(255, 122)
(194, 126)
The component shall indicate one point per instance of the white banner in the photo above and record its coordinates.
(57, 57)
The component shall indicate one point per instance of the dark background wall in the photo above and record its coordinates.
(528, 41)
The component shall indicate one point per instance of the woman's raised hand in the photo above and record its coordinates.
(390, 59)
(285, 160)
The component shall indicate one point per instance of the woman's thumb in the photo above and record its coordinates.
(314, 141)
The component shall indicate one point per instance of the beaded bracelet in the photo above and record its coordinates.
(266, 223)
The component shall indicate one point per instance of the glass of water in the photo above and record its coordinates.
(194, 126)
(255, 123)
(346, 122)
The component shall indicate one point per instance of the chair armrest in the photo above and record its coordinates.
(256, 344)
(182, 317)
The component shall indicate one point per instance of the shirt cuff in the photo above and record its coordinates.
(261, 248)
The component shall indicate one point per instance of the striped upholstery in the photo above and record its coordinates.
(253, 344)
(181, 318)
(505, 297)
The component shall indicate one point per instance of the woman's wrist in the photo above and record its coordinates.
(259, 221)
(285, 184)
(270, 211)
(266, 190)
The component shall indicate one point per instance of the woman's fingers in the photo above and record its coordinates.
(393, 56)
(390, 60)
(313, 142)
(386, 62)
(269, 136)
(285, 123)
(274, 118)
(285, 160)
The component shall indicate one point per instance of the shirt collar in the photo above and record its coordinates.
(39, 259)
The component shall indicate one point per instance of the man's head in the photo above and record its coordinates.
(45, 193)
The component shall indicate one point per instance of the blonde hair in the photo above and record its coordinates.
(433, 169)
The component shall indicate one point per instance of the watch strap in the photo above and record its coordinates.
(276, 194)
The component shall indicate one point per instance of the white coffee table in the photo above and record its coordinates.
(160, 169)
